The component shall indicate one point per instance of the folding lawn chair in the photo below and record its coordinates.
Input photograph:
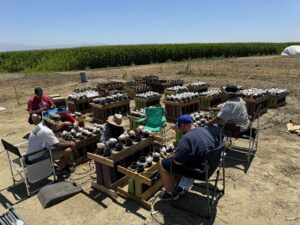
(154, 121)
(214, 162)
(31, 167)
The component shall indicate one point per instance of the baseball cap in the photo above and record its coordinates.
(38, 90)
(183, 119)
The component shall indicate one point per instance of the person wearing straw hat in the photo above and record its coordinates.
(113, 127)
(43, 137)
(232, 111)
(37, 104)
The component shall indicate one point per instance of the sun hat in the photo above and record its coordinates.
(116, 120)
(54, 119)
(183, 119)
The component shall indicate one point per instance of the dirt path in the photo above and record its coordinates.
(265, 193)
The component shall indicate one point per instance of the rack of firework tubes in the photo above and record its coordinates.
(130, 171)
(103, 108)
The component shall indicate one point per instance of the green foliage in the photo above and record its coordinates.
(125, 55)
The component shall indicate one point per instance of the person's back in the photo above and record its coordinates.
(41, 137)
(234, 111)
(193, 146)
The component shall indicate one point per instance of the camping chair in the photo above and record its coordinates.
(29, 170)
(231, 131)
(154, 121)
(214, 161)
(10, 217)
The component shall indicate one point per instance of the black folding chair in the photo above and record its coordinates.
(214, 162)
(31, 167)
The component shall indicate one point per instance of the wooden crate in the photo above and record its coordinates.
(108, 176)
(84, 146)
(255, 105)
(58, 100)
(275, 101)
(146, 102)
(175, 109)
(160, 85)
(82, 105)
(132, 92)
(198, 89)
(102, 112)
(206, 102)
(173, 92)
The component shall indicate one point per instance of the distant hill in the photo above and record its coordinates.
(20, 47)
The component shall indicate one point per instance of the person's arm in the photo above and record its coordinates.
(64, 144)
(182, 153)
(215, 120)
(50, 103)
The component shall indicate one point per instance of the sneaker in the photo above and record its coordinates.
(165, 196)
(70, 169)
(180, 191)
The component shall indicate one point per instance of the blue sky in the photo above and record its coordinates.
(55, 22)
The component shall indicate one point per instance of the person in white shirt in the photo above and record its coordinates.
(43, 137)
(233, 111)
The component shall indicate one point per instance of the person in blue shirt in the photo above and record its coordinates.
(189, 155)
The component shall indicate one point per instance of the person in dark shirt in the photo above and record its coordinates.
(189, 155)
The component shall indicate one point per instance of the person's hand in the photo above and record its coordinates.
(40, 110)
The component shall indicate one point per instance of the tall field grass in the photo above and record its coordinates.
(123, 55)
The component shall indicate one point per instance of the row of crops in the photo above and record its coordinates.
(106, 56)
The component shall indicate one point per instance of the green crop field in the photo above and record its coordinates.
(124, 55)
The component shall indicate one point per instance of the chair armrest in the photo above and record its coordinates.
(40, 158)
(140, 120)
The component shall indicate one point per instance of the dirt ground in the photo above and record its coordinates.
(264, 192)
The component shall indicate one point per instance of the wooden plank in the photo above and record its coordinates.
(105, 190)
(110, 105)
(143, 203)
(135, 175)
(100, 159)
(152, 190)
(119, 183)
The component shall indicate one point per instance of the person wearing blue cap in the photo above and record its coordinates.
(189, 155)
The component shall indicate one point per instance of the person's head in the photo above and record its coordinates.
(53, 121)
(184, 123)
(38, 91)
(117, 124)
(232, 90)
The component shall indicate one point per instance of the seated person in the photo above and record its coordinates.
(113, 128)
(233, 111)
(67, 120)
(43, 137)
(37, 104)
(189, 155)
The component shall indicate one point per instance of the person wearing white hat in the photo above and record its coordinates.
(43, 137)
(113, 127)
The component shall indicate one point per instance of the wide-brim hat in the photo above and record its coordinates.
(116, 120)
(54, 119)
(232, 89)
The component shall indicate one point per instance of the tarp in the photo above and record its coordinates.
(293, 50)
